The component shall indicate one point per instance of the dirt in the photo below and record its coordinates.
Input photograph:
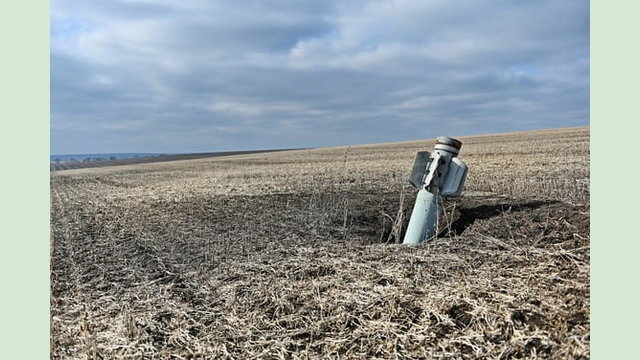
(292, 257)
(315, 289)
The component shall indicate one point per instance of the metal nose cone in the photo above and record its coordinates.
(445, 140)
(448, 144)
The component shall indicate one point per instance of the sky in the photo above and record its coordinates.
(216, 75)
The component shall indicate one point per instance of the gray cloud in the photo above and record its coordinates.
(165, 76)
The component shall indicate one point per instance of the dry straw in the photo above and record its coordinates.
(292, 255)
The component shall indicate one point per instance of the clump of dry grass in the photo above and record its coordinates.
(290, 255)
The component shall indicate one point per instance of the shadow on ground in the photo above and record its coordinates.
(468, 216)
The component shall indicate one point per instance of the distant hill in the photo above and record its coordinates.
(101, 157)
(66, 162)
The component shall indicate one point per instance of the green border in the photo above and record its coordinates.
(24, 198)
(615, 102)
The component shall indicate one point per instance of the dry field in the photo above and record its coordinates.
(293, 255)
(80, 164)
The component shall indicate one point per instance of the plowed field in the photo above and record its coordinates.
(293, 255)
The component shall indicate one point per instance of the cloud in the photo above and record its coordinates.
(184, 76)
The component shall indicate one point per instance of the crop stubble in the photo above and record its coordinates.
(292, 255)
